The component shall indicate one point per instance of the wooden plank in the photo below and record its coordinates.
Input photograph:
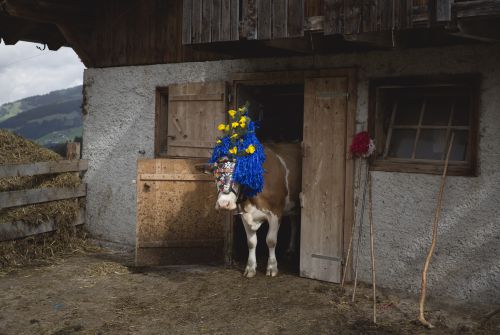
(187, 9)
(176, 219)
(295, 18)
(385, 15)
(468, 9)
(352, 17)
(249, 17)
(279, 19)
(196, 18)
(183, 244)
(197, 97)
(194, 111)
(324, 178)
(34, 169)
(175, 176)
(369, 13)
(235, 21)
(225, 25)
(264, 19)
(206, 20)
(334, 14)
(36, 196)
(216, 20)
(16, 230)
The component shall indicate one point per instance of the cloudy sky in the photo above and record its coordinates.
(27, 71)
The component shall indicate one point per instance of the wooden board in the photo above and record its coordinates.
(327, 176)
(176, 218)
(34, 169)
(194, 111)
(39, 195)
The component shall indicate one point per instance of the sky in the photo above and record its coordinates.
(26, 70)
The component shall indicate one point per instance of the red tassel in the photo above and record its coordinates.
(360, 144)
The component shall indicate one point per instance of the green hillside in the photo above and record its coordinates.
(50, 119)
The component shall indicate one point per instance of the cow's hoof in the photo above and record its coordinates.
(249, 272)
(272, 270)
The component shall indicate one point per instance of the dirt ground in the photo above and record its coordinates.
(102, 293)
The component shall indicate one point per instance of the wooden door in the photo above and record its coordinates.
(176, 218)
(327, 175)
(194, 111)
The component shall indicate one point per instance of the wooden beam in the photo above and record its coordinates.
(16, 230)
(36, 196)
(40, 168)
(377, 39)
(487, 30)
(46, 11)
(74, 40)
(470, 9)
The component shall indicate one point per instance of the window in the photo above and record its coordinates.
(413, 120)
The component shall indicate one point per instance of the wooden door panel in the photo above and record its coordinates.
(194, 111)
(324, 177)
(176, 219)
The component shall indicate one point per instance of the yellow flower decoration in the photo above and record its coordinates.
(250, 150)
(219, 141)
(233, 151)
(231, 112)
(234, 136)
(221, 127)
(243, 119)
(227, 128)
(235, 124)
(243, 125)
(241, 109)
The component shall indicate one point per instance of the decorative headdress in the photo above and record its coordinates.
(240, 145)
(362, 145)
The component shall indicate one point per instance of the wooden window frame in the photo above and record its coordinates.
(161, 122)
(469, 168)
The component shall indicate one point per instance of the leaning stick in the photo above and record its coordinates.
(372, 244)
(421, 316)
(360, 233)
(349, 248)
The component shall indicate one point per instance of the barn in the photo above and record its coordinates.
(161, 75)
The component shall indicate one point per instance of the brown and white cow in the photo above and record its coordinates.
(279, 197)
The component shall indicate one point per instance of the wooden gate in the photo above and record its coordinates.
(176, 218)
(329, 111)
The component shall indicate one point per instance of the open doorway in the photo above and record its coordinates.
(278, 111)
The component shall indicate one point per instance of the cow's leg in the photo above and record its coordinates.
(293, 234)
(249, 225)
(271, 240)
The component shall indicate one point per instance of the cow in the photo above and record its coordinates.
(279, 197)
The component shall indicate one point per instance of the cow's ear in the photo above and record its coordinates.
(206, 168)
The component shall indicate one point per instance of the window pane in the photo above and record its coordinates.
(408, 111)
(437, 111)
(431, 144)
(461, 114)
(401, 145)
(460, 146)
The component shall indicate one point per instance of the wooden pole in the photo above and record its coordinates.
(437, 214)
(349, 248)
(360, 233)
(372, 245)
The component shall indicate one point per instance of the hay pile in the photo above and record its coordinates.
(17, 150)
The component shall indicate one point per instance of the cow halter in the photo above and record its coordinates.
(223, 173)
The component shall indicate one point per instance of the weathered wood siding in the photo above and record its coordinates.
(366, 16)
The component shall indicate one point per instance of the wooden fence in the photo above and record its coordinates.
(15, 230)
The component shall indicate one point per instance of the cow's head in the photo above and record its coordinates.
(228, 190)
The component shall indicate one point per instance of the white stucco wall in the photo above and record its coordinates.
(119, 122)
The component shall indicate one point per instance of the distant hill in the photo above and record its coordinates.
(51, 119)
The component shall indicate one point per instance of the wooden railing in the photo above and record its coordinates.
(8, 199)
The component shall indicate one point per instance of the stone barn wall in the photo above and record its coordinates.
(119, 124)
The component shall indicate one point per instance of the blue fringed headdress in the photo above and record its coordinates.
(239, 143)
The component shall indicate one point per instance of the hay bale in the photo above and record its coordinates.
(17, 150)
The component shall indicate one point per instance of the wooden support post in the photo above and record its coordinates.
(372, 246)
(421, 316)
(73, 150)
